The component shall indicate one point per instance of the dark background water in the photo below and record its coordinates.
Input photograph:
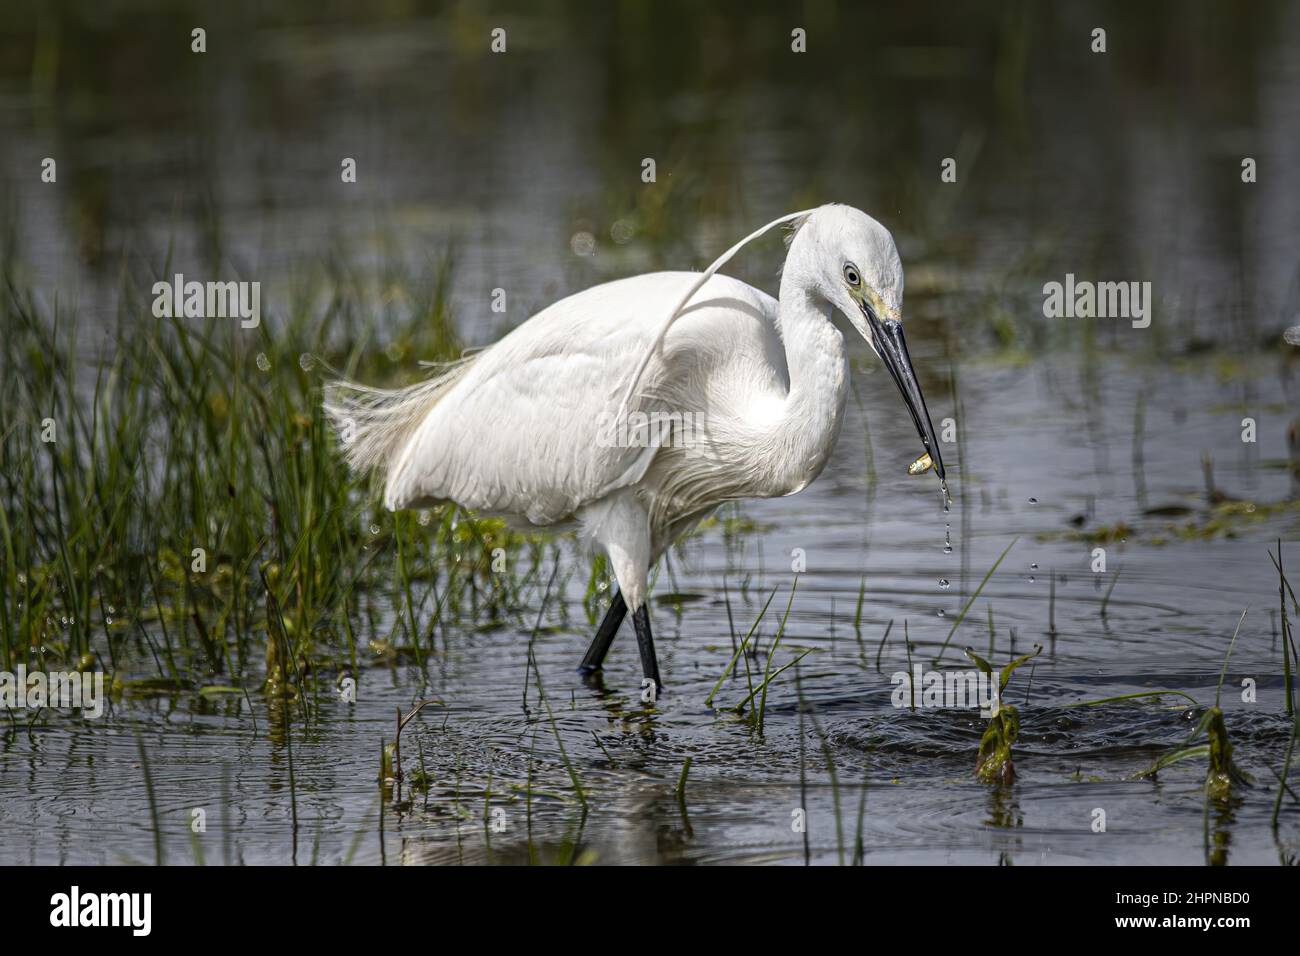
(1121, 166)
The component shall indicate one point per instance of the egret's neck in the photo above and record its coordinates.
(819, 379)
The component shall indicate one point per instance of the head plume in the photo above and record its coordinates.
(798, 218)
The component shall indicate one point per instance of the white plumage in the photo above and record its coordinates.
(752, 390)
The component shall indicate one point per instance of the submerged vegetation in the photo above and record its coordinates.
(993, 762)
(1210, 740)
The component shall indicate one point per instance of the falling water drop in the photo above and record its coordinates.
(944, 584)
(263, 362)
(947, 539)
(941, 613)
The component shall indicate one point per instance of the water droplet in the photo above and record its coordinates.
(263, 362)
(622, 231)
(1033, 567)
(374, 529)
(424, 517)
(947, 539)
(941, 613)
(1031, 579)
(304, 362)
(1033, 501)
(944, 584)
(583, 243)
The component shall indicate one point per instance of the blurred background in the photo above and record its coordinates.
(1121, 165)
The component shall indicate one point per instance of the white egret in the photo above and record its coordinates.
(633, 409)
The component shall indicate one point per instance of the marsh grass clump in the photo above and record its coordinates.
(173, 510)
(1209, 739)
(1222, 772)
(1288, 655)
(993, 763)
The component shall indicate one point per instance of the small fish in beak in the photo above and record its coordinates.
(921, 465)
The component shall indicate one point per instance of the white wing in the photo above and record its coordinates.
(524, 429)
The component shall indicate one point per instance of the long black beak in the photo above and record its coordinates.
(888, 341)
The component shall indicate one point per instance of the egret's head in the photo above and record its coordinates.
(845, 257)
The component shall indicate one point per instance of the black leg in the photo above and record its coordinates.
(646, 644)
(595, 656)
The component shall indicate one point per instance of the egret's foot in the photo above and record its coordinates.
(595, 656)
(649, 663)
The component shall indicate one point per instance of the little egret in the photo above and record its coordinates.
(633, 409)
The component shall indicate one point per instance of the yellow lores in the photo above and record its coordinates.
(921, 465)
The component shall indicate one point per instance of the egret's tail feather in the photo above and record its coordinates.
(374, 425)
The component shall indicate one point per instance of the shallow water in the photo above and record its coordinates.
(1167, 626)
(1046, 452)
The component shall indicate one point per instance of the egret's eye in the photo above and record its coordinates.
(851, 275)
